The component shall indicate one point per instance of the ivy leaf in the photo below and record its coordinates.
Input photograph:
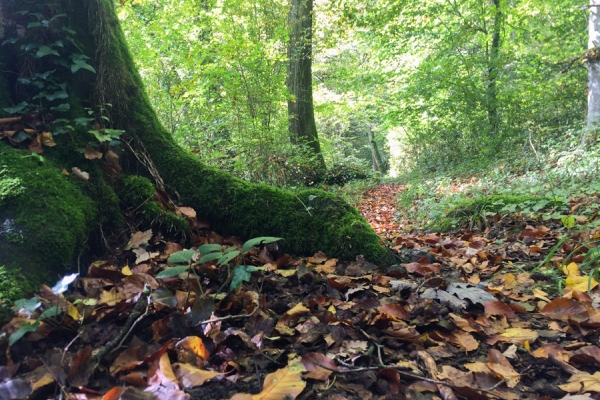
(19, 108)
(226, 258)
(164, 296)
(61, 107)
(77, 65)
(27, 305)
(46, 51)
(240, 274)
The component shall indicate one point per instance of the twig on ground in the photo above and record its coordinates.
(67, 348)
(140, 310)
(228, 317)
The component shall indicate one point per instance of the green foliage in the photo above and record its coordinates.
(477, 211)
(214, 252)
(34, 304)
(564, 172)
(51, 45)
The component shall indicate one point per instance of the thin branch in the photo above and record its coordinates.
(228, 317)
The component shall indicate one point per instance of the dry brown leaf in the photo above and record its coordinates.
(582, 382)
(502, 368)
(314, 363)
(91, 153)
(79, 174)
(190, 376)
(565, 309)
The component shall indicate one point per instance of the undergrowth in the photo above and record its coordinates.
(556, 181)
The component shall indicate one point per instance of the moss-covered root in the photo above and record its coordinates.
(308, 221)
(137, 195)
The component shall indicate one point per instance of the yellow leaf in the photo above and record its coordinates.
(73, 312)
(126, 271)
(519, 336)
(285, 383)
(111, 298)
(286, 273)
(571, 269)
(297, 310)
(540, 294)
(583, 382)
(580, 283)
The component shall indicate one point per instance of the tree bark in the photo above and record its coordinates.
(376, 161)
(593, 66)
(303, 129)
(308, 221)
(492, 70)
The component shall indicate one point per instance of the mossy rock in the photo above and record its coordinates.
(45, 219)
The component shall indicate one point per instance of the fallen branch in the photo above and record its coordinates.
(228, 317)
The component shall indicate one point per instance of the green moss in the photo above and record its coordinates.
(12, 284)
(138, 197)
(51, 213)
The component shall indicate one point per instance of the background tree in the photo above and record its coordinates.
(593, 66)
(303, 129)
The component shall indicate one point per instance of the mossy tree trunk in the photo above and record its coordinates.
(309, 220)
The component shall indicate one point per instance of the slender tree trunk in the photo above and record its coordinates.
(492, 70)
(303, 129)
(376, 162)
(593, 66)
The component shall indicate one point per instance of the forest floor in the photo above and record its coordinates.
(508, 312)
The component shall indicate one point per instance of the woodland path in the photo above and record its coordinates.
(378, 206)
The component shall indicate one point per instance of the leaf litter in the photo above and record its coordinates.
(508, 313)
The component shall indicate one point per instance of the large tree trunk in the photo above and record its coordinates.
(593, 66)
(303, 129)
(54, 209)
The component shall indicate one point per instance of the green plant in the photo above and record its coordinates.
(33, 304)
(223, 258)
(49, 42)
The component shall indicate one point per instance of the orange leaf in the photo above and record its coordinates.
(195, 345)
